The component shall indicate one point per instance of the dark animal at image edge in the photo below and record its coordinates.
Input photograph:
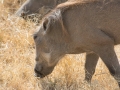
(77, 27)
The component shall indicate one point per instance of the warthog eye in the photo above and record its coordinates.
(35, 36)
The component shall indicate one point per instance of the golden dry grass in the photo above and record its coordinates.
(17, 60)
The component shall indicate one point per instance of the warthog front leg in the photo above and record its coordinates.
(90, 65)
(108, 55)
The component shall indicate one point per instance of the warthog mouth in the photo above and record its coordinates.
(38, 74)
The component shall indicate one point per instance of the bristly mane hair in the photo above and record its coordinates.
(74, 3)
(56, 13)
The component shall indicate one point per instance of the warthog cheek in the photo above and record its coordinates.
(46, 56)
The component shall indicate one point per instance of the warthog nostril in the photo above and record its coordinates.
(38, 74)
(22, 14)
(38, 68)
(36, 71)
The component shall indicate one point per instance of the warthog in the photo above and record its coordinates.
(76, 27)
(32, 7)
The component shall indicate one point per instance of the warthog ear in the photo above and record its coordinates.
(46, 24)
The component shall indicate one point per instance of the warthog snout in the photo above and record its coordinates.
(41, 70)
(38, 71)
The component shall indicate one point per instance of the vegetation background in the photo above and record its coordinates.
(17, 55)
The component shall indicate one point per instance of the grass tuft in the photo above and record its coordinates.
(17, 55)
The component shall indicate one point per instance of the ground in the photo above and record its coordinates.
(17, 53)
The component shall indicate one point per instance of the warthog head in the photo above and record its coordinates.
(51, 44)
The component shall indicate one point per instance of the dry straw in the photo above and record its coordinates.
(17, 55)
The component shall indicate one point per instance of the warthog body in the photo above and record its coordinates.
(32, 7)
(76, 27)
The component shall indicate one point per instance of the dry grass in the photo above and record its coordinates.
(17, 60)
